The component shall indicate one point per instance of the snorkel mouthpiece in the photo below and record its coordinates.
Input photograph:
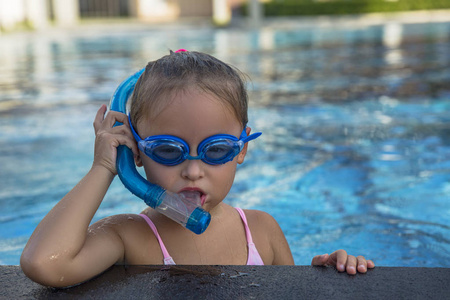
(184, 208)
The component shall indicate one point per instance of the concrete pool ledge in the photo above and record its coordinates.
(238, 282)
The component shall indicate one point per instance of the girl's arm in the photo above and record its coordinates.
(63, 250)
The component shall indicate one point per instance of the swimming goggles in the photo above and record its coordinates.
(170, 150)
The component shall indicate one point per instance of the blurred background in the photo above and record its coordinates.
(352, 97)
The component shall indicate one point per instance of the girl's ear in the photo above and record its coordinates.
(241, 155)
(138, 161)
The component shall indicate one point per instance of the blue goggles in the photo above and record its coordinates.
(170, 150)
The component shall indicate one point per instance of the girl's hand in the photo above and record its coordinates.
(343, 262)
(108, 138)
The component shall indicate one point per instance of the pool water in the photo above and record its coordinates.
(355, 151)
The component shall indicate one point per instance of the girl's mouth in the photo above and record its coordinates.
(194, 195)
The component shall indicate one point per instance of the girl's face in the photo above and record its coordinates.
(193, 116)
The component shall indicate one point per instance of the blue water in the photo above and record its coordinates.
(356, 146)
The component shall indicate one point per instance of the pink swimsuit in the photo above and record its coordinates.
(253, 256)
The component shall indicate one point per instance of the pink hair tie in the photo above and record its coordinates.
(181, 50)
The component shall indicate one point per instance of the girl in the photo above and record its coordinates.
(189, 96)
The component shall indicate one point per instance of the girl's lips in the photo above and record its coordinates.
(195, 195)
(203, 199)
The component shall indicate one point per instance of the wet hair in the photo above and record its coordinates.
(179, 72)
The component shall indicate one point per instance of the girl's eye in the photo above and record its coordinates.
(167, 151)
(218, 151)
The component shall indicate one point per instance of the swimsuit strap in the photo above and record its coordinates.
(167, 258)
(253, 255)
(244, 220)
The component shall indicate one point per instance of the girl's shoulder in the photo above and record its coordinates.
(118, 220)
(259, 220)
(139, 242)
(268, 237)
(123, 225)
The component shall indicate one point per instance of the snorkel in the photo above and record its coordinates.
(184, 208)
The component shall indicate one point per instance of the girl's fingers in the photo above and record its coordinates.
(123, 130)
(109, 137)
(351, 265)
(110, 119)
(130, 141)
(99, 117)
(320, 260)
(343, 262)
(362, 264)
(113, 116)
(124, 140)
(120, 138)
(339, 259)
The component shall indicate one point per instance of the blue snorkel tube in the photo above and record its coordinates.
(185, 208)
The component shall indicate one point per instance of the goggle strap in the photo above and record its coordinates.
(251, 137)
(136, 136)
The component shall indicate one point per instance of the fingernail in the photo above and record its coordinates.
(341, 267)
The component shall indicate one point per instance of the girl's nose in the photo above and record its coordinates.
(192, 169)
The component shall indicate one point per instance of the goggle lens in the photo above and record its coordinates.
(220, 152)
(168, 152)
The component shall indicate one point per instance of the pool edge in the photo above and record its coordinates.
(244, 282)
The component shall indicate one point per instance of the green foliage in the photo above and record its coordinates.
(342, 7)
